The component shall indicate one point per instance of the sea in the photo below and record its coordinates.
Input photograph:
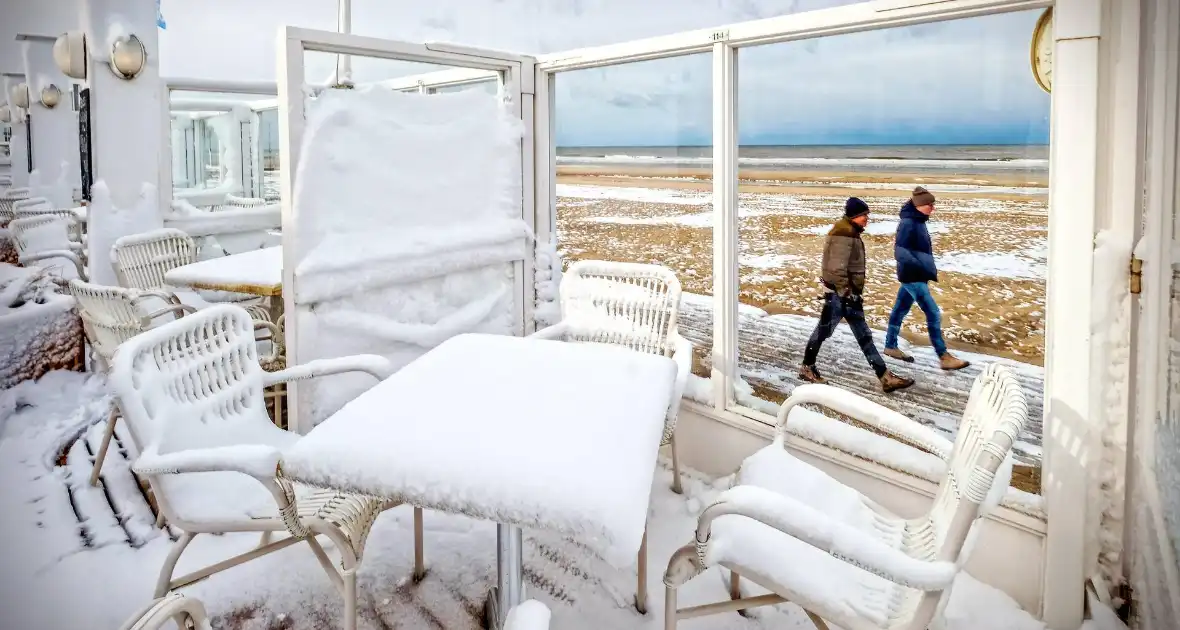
(932, 159)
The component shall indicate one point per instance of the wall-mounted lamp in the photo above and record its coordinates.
(20, 96)
(128, 57)
(50, 96)
(69, 53)
(5, 114)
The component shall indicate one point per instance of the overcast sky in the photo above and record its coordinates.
(960, 82)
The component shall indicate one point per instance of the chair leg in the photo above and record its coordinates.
(670, 612)
(107, 435)
(641, 585)
(349, 577)
(419, 552)
(164, 582)
(676, 487)
(735, 591)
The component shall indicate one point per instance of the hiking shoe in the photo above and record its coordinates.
(891, 382)
(899, 354)
(949, 361)
(811, 375)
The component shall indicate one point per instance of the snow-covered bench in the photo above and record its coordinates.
(842, 557)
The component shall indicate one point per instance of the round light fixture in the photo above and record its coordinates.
(20, 96)
(5, 114)
(1041, 51)
(50, 96)
(128, 57)
(69, 53)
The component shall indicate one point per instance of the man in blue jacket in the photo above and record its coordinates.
(915, 270)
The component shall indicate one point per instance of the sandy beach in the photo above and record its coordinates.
(990, 235)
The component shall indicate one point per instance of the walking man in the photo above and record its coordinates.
(843, 276)
(915, 270)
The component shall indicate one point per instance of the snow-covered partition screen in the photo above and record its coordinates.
(409, 230)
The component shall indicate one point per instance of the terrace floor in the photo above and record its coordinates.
(88, 557)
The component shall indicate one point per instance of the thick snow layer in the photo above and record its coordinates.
(547, 279)
(54, 552)
(408, 228)
(107, 223)
(261, 268)
(540, 415)
(528, 615)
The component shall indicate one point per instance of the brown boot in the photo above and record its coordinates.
(891, 382)
(897, 353)
(811, 375)
(949, 361)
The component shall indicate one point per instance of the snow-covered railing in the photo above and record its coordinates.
(198, 224)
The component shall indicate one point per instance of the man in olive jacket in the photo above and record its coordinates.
(843, 278)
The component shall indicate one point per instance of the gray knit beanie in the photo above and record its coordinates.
(922, 197)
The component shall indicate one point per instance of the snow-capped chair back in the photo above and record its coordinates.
(194, 383)
(7, 198)
(29, 204)
(625, 304)
(141, 260)
(47, 237)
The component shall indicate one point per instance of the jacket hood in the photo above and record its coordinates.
(845, 227)
(909, 211)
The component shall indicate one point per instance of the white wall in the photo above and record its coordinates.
(55, 131)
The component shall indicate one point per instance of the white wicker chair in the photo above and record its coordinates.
(40, 207)
(32, 234)
(112, 315)
(192, 393)
(840, 556)
(141, 260)
(234, 201)
(7, 199)
(635, 306)
(186, 612)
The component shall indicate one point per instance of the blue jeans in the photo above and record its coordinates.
(907, 295)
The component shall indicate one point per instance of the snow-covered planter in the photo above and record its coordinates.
(41, 327)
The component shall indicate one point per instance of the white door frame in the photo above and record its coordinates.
(293, 42)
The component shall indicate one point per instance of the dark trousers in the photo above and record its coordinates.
(853, 311)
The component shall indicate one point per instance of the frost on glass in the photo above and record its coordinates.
(408, 227)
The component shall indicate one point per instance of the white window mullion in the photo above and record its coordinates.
(725, 224)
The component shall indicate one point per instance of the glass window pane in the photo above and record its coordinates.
(634, 179)
(952, 107)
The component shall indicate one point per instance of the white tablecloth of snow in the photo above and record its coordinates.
(508, 429)
(259, 272)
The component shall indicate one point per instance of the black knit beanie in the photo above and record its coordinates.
(855, 207)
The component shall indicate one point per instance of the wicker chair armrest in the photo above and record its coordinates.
(555, 332)
(48, 254)
(377, 366)
(256, 460)
(682, 355)
(873, 414)
(840, 540)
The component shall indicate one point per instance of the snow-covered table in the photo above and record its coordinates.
(523, 432)
(257, 272)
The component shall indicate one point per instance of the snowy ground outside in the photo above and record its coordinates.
(85, 564)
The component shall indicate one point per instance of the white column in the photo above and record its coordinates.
(126, 134)
(725, 224)
(1071, 448)
(17, 147)
(55, 130)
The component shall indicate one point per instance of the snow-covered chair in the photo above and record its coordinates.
(112, 315)
(142, 260)
(48, 237)
(7, 198)
(842, 557)
(233, 201)
(630, 305)
(41, 207)
(191, 391)
(186, 612)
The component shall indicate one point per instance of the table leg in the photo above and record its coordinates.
(509, 589)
